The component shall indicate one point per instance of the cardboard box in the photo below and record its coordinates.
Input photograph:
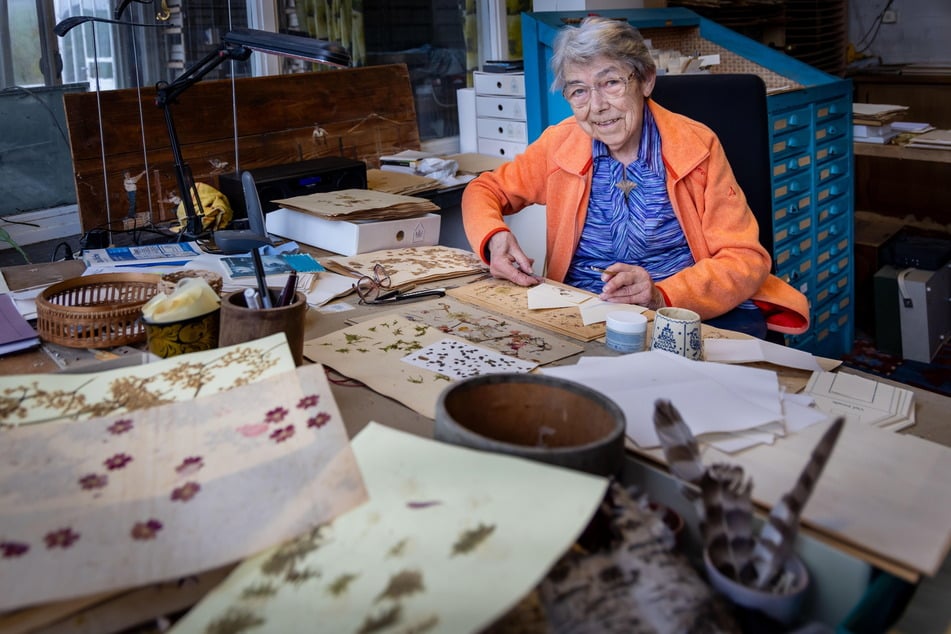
(349, 237)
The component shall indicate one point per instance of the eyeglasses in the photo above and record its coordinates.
(369, 288)
(579, 95)
(379, 289)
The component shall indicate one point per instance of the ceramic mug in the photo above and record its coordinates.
(677, 330)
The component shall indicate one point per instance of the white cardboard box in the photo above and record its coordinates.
(352, 237)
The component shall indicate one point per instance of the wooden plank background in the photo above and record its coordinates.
(357, 113)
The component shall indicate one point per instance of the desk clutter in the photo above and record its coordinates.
(371, 540)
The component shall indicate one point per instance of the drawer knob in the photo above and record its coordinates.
(500, 130)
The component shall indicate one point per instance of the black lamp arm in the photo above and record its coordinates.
(165, 95)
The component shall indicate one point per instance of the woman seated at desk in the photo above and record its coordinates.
(642, 205)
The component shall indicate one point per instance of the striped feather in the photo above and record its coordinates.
(728, 530)
(680, 447)
(777, 536)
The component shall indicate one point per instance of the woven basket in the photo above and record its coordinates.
(96, 311)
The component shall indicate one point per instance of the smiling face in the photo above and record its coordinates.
(616, 121)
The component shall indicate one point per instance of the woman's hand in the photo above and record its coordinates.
(629, 284)
(507, 261)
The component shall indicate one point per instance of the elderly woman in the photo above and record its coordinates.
(642, 205)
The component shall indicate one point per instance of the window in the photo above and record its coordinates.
(436, 39)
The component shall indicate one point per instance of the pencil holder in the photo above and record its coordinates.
(240, 323)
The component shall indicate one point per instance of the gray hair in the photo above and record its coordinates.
(600, 37)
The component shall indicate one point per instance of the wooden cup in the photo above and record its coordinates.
(240, 323)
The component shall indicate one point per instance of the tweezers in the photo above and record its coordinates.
(393, 296)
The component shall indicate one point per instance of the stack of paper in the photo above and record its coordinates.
(934, 140)
(410, 265)
(15, 332)
(875, 113)
(399, 183)
(358, 204)
(862, 400)
(730, 407)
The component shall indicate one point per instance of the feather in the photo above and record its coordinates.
(680, 446)
(681, 452)
(728, 530)
(778, 534)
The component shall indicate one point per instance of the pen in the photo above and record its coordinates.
(262, 283)
(290, 287)
(251, 298)
(598, 269)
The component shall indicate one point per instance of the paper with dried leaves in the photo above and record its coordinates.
(444, 545)
(164, 492)
(42, 398)
(372, 352)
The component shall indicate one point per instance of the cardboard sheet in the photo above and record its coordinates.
(445, 544)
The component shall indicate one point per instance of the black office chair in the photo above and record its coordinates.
(733, 106)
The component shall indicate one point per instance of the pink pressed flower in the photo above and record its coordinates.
(120, 426)
(93, 481)
(282, 434)
(190, 465)
(117, 461)
(146, 530)
(319, 420)
(63, 538)
(308, 401)
(250, 431)
(276, 415)
(185, 492)
(9, 550)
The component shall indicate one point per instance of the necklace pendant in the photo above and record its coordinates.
(625, 186)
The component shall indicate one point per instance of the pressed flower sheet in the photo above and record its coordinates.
(164, 492)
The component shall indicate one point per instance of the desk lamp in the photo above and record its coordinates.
(237, 44)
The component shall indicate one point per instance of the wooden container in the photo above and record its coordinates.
(240, 323)
(537, 417)
(95, 311)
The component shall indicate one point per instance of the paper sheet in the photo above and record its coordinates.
(446, 544)
(753, 350)
(596, 311)
(164, 492)
(372, 352)
(41, 398)
(459, 359)
(550, 296)
(862, 400)
(490, 330)
(711, 397)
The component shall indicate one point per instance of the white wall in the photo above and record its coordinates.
(921, 34)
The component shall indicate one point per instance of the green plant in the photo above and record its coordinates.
(5, 236)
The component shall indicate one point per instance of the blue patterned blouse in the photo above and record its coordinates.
(639, 228)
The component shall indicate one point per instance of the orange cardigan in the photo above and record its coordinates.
(730, 264)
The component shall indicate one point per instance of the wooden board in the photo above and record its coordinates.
(508, 299)
(357, 113)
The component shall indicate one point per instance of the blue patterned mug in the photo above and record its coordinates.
(677, 330)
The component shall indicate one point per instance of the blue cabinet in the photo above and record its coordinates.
(810, 152)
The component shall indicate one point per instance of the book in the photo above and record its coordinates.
(16, 333)
(871, 130)
(243, 266)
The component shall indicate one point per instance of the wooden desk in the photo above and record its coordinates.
(901, 152)
(837, 565)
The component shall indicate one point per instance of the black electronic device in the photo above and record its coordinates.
(255, 236)
(327, 174)
(919, 252)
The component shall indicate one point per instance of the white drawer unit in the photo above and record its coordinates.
(504, 149)
(502, 130)
(500, 107)
(508, 84)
